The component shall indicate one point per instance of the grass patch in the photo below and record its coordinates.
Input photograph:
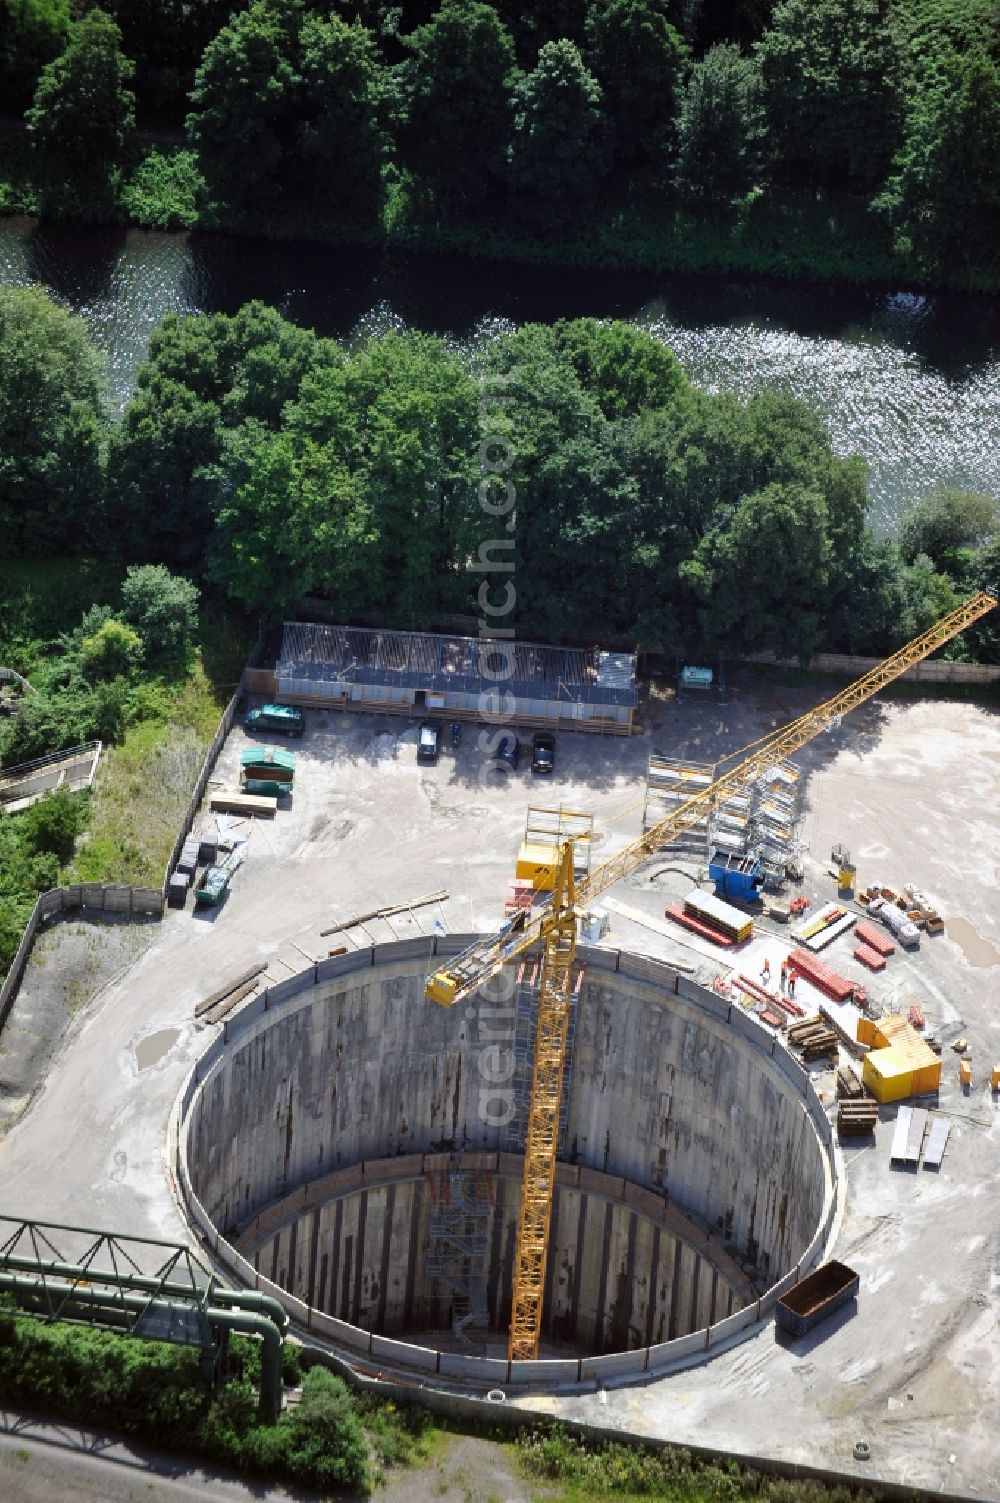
(143, 786)
(576, 1470)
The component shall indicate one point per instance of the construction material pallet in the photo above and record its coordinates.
(821, 976)
(698, 926)
(709, 909)
(849, 1087)
(772, 1019)
(243, 803)
(830, 933)
(874, 938)
(869, 957)
(856, 1119)
(831, 913)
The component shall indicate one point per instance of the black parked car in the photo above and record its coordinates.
(507, 750)
(543, 752)
(428, 741)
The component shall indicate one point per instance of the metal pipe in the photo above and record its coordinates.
(240, 1299)
(40, 1293)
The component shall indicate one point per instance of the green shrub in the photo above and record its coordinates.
(53, 824)
(114, 649)
(163, 607)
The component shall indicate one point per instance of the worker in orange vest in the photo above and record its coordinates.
(784, 973)
(793, 976)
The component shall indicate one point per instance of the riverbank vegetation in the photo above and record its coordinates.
(269, 465)
(261, 465)
(841, 139)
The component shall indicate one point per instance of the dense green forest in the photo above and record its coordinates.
(852, 138)
(271, 464)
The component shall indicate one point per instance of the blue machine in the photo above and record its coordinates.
(737, 878)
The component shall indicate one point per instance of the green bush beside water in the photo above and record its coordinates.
(835, 237)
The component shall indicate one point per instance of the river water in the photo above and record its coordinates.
(910, 382)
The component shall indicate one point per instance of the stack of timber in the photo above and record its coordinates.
(220, 1003)
(856, 1119)
(849, 1087)
(813, 1037)
(242, 803)
(718, 920)
(821, 976)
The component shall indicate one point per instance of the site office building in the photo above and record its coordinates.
(457, 677)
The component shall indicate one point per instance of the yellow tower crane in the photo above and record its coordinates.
(555, 927)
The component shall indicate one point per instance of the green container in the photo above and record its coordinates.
(269, 786)
(270, 763)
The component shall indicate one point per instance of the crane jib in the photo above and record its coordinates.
(555, 925)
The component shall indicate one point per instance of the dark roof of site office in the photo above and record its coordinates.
(424, 660)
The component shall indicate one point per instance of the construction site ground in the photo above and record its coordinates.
(909, 785)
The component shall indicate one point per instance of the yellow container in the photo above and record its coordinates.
(927, 1077)
(995, 1078)
(538, 864)
(888, 1074)
(965, 1072)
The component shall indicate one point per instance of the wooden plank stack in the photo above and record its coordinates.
(856, 1119)
(849, 1086)
(813, 1037)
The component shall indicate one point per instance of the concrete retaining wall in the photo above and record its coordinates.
(87, 896)
(326, 1077)
(357, 1243)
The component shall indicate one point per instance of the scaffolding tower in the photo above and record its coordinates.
(462, 1202)
(670, 782)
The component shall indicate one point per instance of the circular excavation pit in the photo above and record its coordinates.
(358, 1148)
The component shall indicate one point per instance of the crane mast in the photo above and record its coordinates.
(555, 927)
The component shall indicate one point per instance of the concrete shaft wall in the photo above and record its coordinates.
(665, 1092)
(363, 1254)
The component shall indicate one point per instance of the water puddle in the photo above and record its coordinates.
(152, 1048)
(977, 950)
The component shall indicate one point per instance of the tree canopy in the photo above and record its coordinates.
(638, 57)
(83, 107)
(561, 144)
(830, 73)
(275, 465)
(52, 421)
(455, 111)
(289, 103)
(720, 124)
